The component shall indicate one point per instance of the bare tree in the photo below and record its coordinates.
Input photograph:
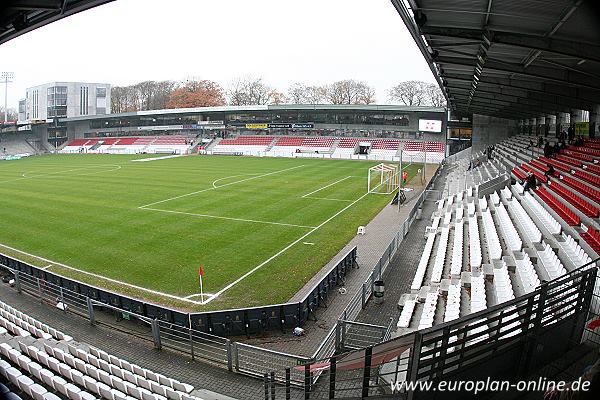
(350, 91)
(11, 114)
(435, 96)
(297, 93)
(410, 93)
(366, 94)
(249, 91)
(315, 94)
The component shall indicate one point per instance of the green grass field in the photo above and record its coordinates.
(150, 224)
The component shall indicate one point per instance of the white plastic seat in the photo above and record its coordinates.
(158, 388)
(118, 395)
(144, 383)
(175, 395)
(104, 365)
(92, 371)
(116, 370)
(24, 383)
(72, 391)
(104, 377)
(58, 383)
(183, 387)
(23, 361)
(86, 396)
(51, 396)
(80, 365)
(64, 370)
(105, 390)
(91, 384)
(118, 384)
(130, 377)
(37, 391)
(77, 377)
(47, 376)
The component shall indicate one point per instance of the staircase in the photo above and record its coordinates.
(334, 145)
(212, 144)
(270, 146)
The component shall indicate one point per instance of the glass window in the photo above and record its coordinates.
(101, 92)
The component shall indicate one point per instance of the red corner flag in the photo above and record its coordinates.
(201, 289)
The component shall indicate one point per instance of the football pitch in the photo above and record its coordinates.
(260, 227)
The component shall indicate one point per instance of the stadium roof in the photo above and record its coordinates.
(281, 107)
(510, 58)
(20, 16)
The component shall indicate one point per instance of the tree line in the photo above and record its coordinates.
(156, 95)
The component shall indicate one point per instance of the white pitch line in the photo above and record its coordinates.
(213, 188)
(325, 187)
(47, 266)
(54, 263)
(326, 198)
(301, 238)
(198, 294)
(227, 218)
(227, 177)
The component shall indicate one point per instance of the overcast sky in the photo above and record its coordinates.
(282, 41)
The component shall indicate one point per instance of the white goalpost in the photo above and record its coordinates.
(383, 179)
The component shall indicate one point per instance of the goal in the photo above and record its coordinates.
(383, 179)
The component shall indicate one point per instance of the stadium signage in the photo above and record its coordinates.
(276, 125)
(430, 125)
(257, 126)
(160, 128)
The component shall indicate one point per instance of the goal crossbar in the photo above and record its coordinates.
(383, 179)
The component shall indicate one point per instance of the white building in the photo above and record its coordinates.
(64, 99)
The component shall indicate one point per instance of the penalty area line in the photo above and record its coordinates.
(325, 187)
(280, 252)
(227, 218)
(57, 264)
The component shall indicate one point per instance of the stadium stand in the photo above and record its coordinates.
(130, 145)
(515, 239)
(43, 363)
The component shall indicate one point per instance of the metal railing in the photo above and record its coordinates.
(512, 340)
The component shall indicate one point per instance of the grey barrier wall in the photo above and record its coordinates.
(243, 321)
(511, 341)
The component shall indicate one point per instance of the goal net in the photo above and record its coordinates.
(383, 179)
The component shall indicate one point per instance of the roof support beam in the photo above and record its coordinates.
(570, 78)
(588, 51)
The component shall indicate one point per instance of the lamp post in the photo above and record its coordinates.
(6, 77)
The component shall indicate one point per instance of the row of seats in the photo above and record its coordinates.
(503, 284)
(551, 262)
(527, 274)
(573, 251)
(491, 235)
(561, 209)
(475, 256)
(529, 228)
(429, 307)
(32, 325)
(585, 176)
(457, 249)
(592, 237)
(452, 310)
(579, 203)
(538, 175)
(586, 190)
(422, 267)
(592, 168)
(440, 258)
(556, 164)
(568, 160)
(520, 175)
(478, 296)
(547, 220)
(513, 239)
(47, 379)
(406, 313)
(578, 156)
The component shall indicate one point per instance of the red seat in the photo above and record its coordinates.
(592, 168)
(578, 155)
(583, 188)
(562, 210)
(592, 237)
(579, 203)
(519, 174)
(542, 167)
(593, 179)
(540, 176)
(556, 164)
(568, 160)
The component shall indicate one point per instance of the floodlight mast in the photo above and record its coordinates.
(6, 77)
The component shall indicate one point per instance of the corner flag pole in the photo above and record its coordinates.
(201, 289)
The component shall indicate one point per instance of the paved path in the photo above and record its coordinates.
(400, 272)
(379, 233)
